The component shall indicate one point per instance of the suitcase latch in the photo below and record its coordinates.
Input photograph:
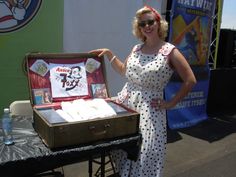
(99, 131)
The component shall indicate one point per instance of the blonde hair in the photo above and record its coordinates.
(163, 25)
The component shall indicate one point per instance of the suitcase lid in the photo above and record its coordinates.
(56, 77)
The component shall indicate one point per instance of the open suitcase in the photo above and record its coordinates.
(64, 84)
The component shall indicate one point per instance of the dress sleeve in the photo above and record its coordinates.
(136, 48)
(166, 49)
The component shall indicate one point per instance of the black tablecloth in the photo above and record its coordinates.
(28, 155)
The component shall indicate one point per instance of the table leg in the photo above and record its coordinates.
(90, 170)
(103, 154)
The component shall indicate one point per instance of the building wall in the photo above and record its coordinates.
(103, 24)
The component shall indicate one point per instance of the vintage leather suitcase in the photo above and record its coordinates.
(51, 77)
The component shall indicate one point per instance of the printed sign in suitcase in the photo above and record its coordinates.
(71, 103)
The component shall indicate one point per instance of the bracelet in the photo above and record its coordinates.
(113, 58)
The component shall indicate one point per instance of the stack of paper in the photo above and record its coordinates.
(85, 110)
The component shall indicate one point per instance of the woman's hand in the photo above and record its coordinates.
(103, 52)
(116, 63)
(161, 104)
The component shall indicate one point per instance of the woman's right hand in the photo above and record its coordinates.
(103, 52)
(161, 104)
(118, 66)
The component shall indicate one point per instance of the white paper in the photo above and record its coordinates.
(65, 116)
(68, 80)
(80, 109)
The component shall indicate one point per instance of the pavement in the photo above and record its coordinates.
(205, 150)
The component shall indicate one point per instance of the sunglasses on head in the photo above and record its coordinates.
(147, 22)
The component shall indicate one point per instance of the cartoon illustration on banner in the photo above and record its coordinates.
(191, 29)
(14, 14)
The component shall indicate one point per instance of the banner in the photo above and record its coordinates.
(26, 26)
(192, 109)
(190, 31)
(190, 28)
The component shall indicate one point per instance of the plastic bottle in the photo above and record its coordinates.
(7, 127)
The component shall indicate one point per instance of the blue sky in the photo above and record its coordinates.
(229, 14)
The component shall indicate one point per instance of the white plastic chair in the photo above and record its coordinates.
(21, 108)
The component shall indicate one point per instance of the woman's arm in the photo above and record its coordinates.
(116, 63)
(181, 66)
(179, 63)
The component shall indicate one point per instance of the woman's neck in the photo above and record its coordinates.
(153, 43)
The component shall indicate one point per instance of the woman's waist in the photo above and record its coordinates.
(135, 91)
(143, 88)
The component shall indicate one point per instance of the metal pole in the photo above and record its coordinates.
(219, 17)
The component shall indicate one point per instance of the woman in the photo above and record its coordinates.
(148, 69)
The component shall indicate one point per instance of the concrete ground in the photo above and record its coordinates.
(205, 150)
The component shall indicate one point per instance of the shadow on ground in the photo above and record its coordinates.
(216, 127)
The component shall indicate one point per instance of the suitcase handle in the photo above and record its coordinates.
(101, 132)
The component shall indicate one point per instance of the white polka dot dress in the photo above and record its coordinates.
(147, 76)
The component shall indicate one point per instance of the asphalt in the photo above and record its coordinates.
(205, 150)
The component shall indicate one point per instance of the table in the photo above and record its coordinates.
(29, 155)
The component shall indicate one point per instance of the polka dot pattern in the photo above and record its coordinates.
(147, 76)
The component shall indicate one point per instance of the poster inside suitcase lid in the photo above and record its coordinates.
(65, 77)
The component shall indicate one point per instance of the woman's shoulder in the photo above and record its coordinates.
(137, 47)
(167, 48)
